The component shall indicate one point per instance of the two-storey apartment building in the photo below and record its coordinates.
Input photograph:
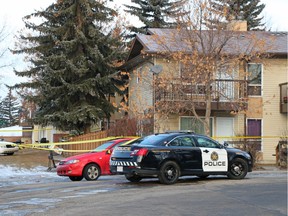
(245, 95)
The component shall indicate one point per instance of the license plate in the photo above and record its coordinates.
(122, 149)
(119, 168)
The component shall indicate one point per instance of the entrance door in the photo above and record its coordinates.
(224, 128)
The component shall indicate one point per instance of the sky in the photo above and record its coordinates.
(11, 13)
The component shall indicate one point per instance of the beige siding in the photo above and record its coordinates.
(170, 68)
(239, 123)
(141, 89)
(166, 124)
(255, 107)
(274, 123)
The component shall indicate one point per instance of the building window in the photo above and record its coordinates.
(192, 123)
(283, 97)
(139, 75)
(254, 79)
(254, 128)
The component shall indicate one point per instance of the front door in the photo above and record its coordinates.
(187, 153)
(224, 128)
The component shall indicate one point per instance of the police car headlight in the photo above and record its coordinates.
(247, 155)
(72, 161)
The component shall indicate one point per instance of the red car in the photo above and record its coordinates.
(89, 165)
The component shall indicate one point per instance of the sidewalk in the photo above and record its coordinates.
(269, 168)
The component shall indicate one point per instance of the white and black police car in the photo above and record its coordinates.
(173, 154)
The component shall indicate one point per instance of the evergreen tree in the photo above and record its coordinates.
(248, 10)
(9, 110)
(3, 123)
(155, 13)
(72, 57)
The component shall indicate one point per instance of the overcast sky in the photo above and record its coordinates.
(12, 11)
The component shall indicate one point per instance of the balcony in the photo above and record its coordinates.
(226, 95)
(283, 97)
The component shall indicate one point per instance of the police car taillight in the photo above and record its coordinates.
(139, 152)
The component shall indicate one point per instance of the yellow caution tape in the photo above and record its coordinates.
(58, 150)
(38, 145)
(26, 130)
(248, 137)
(71, 143)
(51, 146)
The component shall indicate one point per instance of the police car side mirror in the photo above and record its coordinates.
(226, 144)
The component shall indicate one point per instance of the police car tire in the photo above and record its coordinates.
(91, 172)
(75, 178)
(169, 173)
(133, 178)
(238, 163)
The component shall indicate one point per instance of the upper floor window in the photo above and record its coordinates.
(283, 97)
(254, 79)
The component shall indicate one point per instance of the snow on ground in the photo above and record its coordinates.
(10, 175)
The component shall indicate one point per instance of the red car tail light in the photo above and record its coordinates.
(139, 152)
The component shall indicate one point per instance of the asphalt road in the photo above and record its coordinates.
(260, 193)
(27, 189)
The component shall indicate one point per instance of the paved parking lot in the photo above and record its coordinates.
(28, 158)
(38, 192)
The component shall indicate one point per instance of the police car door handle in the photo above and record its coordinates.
(206, 151)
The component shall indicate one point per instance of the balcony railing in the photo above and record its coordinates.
(224, 92)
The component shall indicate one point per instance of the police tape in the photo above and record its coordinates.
(53, 146)
(24, 130)
(249, 137)
(74, 142)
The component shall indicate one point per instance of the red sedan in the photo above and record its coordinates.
(89, 165)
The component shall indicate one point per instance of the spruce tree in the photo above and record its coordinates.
(248, 10)
(3, 122)
(155, 13)
(72, 57)
(9, 109)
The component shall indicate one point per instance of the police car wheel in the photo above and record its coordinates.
(238, 169)
(75, 178)
(133, 178)
(91, 172)
(169, 173)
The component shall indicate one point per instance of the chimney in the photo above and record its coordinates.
(237, 25)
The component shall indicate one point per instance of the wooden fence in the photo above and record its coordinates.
(123, 127)
(84, 146)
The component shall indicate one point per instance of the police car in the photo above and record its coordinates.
(170, 155)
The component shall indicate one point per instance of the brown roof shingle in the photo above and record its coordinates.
(235, 42)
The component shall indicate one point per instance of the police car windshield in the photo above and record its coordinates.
(155, 139)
